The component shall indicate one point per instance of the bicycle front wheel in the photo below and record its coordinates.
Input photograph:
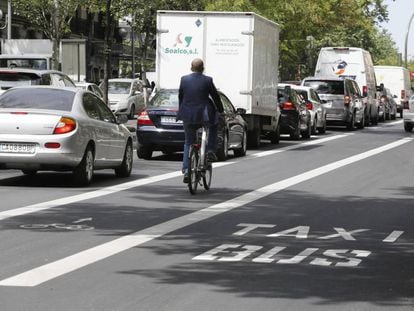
(193, 176)
(207, 176)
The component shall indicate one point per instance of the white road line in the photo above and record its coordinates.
(136, 183)
(60, 267)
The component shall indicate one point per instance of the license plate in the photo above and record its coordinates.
(172, 120)
(17, 148)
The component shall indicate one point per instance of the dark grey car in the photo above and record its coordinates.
(342, 100)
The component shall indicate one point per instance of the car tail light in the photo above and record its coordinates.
(309, 105)
(288, 106)
(347, 100)
(52, 145)
(402, 94)
(144, 119)
(65, 125)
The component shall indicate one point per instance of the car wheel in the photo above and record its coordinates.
(393, 116)
(132, 112)
(315, 122)
(350, 125)
(401, 114)
(240, 152)
(322, 130)
(374, 120)
(295, 133)
(361, 123)
(83, 173)
(275, 135)
(144, 152)
(126, 167)
(408, 127)
(223, 151)
(307, 133)
(29, 172)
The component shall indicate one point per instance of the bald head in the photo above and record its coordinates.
(197, 65)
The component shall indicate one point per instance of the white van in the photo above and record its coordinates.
(397, 79)
(354, 63)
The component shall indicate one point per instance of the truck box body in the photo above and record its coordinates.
(397, 79)
(240, 52)
(37, 54)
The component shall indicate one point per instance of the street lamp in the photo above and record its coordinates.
(406, 40)
(7, 22)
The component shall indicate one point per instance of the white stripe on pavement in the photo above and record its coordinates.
(60, 267)
(136, 183)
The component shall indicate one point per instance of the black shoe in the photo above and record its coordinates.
(211, 156)
(186, 179)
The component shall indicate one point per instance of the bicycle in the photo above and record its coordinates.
(200, 169)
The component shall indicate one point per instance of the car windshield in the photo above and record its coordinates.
(9, 79)
(37, 98)
(32, 63)
(118, 87)
(326, 86)
(303, 93)
(165, 99)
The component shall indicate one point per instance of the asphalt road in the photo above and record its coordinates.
(319, 224)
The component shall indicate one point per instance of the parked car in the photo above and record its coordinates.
(62, 129)
(21, 76)
(315, 107)
(392, 103)
(342, 100)
(295, 118)
(408, 115)
(91, 87)
(157, 128)
(127, 96)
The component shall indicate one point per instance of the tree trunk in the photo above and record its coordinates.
(55, 54)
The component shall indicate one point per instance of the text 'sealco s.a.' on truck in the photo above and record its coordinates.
(241, 53)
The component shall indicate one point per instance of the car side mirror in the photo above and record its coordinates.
(241, 111)
(122, 119)
(324, 101)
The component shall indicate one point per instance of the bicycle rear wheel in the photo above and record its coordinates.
(207, 176)
(193, 177)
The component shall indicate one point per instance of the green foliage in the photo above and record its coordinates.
(52, 17)
(306, 26)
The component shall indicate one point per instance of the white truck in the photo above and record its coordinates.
(241, 53)
(37, 54)
(356, 64)
(397, 79)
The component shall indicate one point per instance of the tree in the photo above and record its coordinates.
(52, 17)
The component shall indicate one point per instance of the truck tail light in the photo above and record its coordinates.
(65, 125)
(309, 105)
(144, 119)
(347, 100)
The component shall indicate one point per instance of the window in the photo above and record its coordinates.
(227, 106)
(90, 106)
(38, 98)
(106, 114)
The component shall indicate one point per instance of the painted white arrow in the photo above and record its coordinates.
(82, 220)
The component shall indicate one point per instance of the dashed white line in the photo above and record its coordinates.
(63, 266)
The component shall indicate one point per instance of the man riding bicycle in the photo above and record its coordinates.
(196, 109)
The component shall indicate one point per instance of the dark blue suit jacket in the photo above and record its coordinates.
(194, 95)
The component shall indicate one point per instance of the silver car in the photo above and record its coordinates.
(315, 107)
(62, 129)
(127, 96)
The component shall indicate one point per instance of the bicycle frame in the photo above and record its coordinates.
(199, 167)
